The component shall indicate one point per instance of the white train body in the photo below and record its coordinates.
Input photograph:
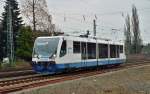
(55, 54)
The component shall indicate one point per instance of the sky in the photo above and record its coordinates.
(74, 17)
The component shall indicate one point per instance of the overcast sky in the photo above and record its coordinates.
(110, 15)
(74, 16)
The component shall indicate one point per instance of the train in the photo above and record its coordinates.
(57, 54)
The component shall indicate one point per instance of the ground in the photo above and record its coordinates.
(18, 65)
(129, 81)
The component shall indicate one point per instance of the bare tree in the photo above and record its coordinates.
(137, 41)
(127, 31)
(37, 14)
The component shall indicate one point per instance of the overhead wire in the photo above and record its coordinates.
(90, 22)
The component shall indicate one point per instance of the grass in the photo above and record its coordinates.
(18, 64)
(22, 64)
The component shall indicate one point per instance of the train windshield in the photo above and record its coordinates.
(45, 47)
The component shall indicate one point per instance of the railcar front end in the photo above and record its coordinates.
(44, 54)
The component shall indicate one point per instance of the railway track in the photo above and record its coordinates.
(12, 85)
(16, 73)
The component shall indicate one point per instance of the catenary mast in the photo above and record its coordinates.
(10, 42)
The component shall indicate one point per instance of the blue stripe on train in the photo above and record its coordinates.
(60, 67)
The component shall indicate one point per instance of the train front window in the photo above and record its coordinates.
(45, 47)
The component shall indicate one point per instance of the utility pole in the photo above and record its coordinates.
(94, 33)
(10, 42)
(53, 29)
(33, 10)
(94, 27)
(50, 24)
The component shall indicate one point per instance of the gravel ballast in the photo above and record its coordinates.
(128, 81)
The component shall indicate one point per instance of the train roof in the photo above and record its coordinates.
(86, 39)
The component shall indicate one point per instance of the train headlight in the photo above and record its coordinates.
(35, 56)
(53, 57)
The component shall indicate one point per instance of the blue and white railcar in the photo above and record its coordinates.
(58, 53)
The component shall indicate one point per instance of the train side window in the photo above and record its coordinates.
(117, 51)
(121, 49)
(83, 50)
(112, 51)
(63, 50)
(103, 50)
(91, 47)
(76, 47)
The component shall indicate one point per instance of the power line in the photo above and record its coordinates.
(100, 14)
(90, 23)
(85, 18)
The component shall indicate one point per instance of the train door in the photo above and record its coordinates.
(83, 54)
